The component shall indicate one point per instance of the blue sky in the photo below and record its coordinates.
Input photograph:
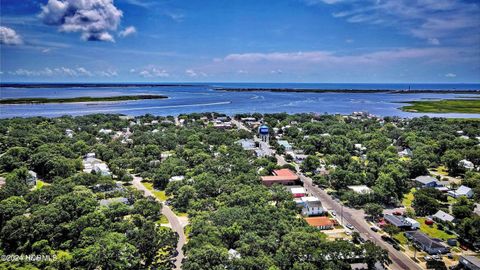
(240, 41)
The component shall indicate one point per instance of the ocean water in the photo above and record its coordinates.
(202, 98)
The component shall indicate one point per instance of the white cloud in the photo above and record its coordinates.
(193, 73)
(62, 71)
(425, 19)
(332, 57)
(178, 17)
(8, 36)
(152, 72)
(329, 2)
(434, 41)
(128, 31)
(94, 19)
(277, 71)
(108, 73)
(450, 75)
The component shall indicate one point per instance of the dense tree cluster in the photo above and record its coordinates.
(331, 140)
(235, 222)
(64, 219)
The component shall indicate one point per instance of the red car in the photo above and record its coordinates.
(429, 222)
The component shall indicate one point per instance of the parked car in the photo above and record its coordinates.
(396, 246)
(333, 213)
(375, 229)
(350, 226)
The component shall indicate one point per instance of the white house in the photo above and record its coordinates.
(466, 164)
(298, 192)
(360, 189)
(31, 178)
(101, 168)
(176, 178)
(286, 145)
(405, 153)
(247, 144)
(414, 224)
(105, 131)
(359, 147)
(312, 206)
(233, 254)
(443, 217)
(461, 191)
(69, 133)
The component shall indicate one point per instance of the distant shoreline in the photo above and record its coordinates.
(442, 106)
(89, 85)
(12, 101)
(359, 91)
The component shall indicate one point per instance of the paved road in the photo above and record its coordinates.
(240, 125)
(172, 219)
(357, 219)
(263, 145)
(400, 261)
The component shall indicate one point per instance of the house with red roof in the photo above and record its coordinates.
(322, 223)
(283, 177)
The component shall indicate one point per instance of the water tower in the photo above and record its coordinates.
(263, 132)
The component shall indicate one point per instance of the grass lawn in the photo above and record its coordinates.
(451, 200)
(432, 231)
(160, 194)
(441, 170)
(163, 220)
(401, 238)
(188, 230)
(408, 198)
(180, 214)
(443, 106)
(40, 184)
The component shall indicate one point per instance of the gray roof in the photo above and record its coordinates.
(441, 215)
(470, 260)
(397, 221)
(425, 179)
(247, 144)
(425, 240)
(312, 204)
(463, 190)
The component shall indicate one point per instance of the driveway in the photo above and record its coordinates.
(173, 219)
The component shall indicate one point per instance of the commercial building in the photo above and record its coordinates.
(283, 176)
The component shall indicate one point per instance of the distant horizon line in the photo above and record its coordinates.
(213, 82)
